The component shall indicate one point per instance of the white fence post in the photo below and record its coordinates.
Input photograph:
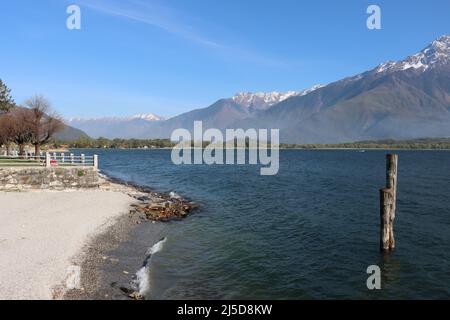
(95, 162)
(47, 160)
(82, 159)
(62, 157)
(72, 158)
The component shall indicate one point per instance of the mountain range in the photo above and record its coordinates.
(136, 126)
(395, 100)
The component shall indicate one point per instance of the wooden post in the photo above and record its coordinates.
(388, 201)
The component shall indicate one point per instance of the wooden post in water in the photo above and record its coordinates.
(388, 201)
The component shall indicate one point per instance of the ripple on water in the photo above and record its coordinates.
(309, 232)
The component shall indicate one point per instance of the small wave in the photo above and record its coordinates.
(142, 280)
(157, 247)
(174, 195)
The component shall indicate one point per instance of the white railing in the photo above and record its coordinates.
(51, 160)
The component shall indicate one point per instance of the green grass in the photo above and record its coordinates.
(16, 162)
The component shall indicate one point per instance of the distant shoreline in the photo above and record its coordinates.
(295, 148)
(371, 149)
(162, 144)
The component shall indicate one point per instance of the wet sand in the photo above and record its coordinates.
(113, 257)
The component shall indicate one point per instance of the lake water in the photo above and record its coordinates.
(309, 232)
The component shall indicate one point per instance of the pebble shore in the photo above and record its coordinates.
(110, 260)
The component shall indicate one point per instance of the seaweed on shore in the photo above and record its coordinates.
(152, 205)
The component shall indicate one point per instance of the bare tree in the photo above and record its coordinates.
(6, 131)
(42, 122)
(21, 128)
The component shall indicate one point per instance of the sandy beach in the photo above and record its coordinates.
(43, 233)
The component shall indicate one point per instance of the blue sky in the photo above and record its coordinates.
(171, 56)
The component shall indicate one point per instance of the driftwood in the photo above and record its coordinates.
(388, 204)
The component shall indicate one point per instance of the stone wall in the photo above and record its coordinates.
(57, 178)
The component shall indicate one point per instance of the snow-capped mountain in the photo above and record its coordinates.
(142, 116)
(434, 55)
(148, 117)
(264, 100)
(261, 99)
(405, 99)
(312, 89)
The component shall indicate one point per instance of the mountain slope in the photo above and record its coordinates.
(224, 113)
(405, 99)
(69, 134)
